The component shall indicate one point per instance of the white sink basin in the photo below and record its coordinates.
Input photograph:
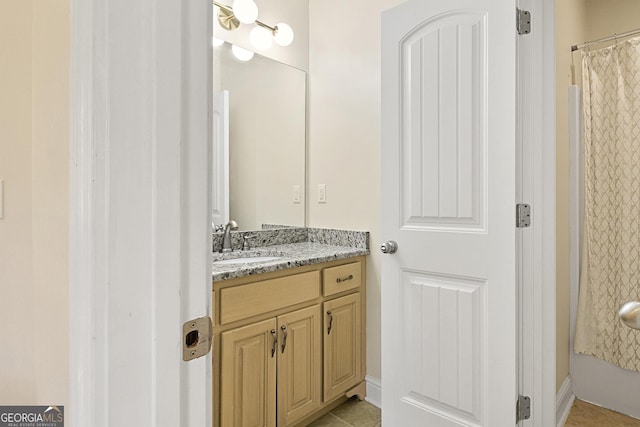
(247, 260)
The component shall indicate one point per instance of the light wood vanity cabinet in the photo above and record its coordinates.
(288, 345)
(342, 348)
(248, 377)
(299, 365)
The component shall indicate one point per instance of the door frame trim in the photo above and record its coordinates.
(88, 113)
(537, 73)
(140, 197)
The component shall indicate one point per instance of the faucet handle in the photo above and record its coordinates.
(218, 228)
(245, 241)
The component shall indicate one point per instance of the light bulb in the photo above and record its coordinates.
(261, 38)
(283, 35)
(241, 54)
(216, 42)
(245, 10)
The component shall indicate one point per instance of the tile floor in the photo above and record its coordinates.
(352, 413)
(584, 414)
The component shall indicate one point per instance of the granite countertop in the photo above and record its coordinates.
(288, 256)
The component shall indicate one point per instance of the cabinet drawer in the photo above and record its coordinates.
(244, 301)
(342, 278)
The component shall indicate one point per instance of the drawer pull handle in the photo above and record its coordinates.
(344, 279)
(275, 342)
(330, 322)
(283, 328)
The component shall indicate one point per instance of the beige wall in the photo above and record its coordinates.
(50, 195)
(344, 131)
(34, 152)
(605, 18)
(17, 311)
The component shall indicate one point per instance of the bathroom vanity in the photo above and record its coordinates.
(289, 333)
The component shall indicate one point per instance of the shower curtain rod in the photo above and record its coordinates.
(605, 39)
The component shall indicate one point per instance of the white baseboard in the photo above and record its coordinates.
(564, 401)
(374, 391)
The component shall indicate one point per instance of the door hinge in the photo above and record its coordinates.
(523, 21)
(197, 335)
(523, 408)
(523, 215)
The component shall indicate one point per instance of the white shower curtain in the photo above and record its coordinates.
(611, 250)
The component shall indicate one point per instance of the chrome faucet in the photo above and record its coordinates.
(226, 239)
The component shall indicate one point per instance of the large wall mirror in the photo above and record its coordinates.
(260, 104)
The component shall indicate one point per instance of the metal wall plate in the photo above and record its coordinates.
(196, 338)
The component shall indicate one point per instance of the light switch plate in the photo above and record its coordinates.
(296, 194)
(322, 193)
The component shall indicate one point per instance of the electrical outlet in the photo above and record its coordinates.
(322, 193)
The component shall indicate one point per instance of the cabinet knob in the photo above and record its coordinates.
(330, 322)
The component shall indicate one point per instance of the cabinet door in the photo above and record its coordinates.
(299, 364)
(342, 345)
(248, 377)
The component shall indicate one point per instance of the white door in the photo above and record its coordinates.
(448, 200)
(220, 161)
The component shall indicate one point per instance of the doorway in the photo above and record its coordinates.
(591, 379)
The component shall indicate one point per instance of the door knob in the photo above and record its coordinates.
(629, 313)
(389, 247)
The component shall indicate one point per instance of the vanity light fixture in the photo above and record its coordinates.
(260, 38)
(246, 12)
